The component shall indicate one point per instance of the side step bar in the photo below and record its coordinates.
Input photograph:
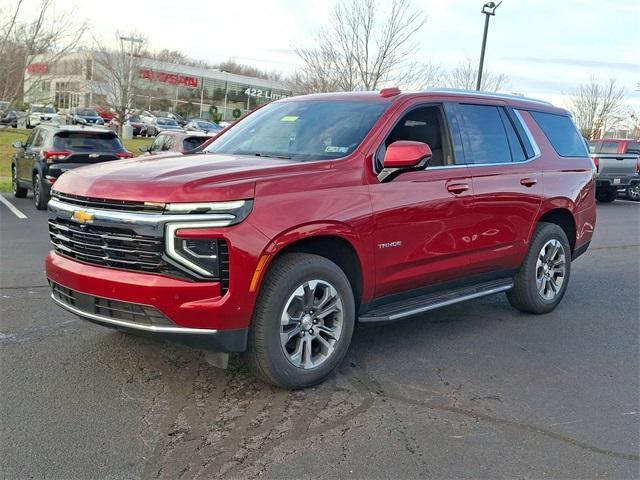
(424, 303)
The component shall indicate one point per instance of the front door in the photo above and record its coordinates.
(422, 217)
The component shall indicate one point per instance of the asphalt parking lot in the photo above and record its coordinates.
(476, 390)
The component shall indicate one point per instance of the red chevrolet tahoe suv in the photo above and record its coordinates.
(317, 212)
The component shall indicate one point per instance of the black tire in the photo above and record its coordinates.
(633, 192)
(607, 195)
(265, 354)
(18, 191)
(40, 193)
(525, 295)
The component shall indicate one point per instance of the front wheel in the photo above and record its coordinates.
(18, 191)
(633, 192)
(606, 196)
(40, 194)
(544, 275)
(303, 322)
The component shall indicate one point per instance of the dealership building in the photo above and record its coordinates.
(75, 81)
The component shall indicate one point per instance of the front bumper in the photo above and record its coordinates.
(198, 314)
(209, 339)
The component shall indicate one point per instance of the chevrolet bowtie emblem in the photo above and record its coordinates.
(82, 216)
(94, 155)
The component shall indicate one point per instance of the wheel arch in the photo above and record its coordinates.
(563, 217)
(336, 242)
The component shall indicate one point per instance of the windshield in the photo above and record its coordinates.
(166, 121)
(87, 112)
(301, 130)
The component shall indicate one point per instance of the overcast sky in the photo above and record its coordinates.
(546, 47)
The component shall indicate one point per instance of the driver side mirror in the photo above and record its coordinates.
(18, 144)
(404, 155)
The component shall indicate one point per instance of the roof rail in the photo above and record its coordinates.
(506, 96)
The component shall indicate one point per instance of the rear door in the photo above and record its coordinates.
(507, 185)
(422, 235)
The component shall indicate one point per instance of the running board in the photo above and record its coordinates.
(424, 303)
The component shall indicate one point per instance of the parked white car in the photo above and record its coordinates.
(147, 117)
(38, 114)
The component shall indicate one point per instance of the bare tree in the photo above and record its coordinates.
(465, 76)
(362, 50)
(115, 72)
(50, 32)
(597, 107)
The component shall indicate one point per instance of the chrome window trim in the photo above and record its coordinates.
(125, 324)
(170, 248)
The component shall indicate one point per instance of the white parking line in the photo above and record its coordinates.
(13, 208)
(627, 201)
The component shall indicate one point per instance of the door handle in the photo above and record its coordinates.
(458, 187)
(528, 182)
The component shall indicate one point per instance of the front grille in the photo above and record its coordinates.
(109, 246)
(119, 247)
(115, 309)
(108, 204)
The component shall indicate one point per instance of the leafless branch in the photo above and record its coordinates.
(597, 107)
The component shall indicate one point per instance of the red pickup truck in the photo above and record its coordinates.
(317, 212)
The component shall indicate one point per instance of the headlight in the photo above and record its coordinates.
(199, 254)
(208, 207)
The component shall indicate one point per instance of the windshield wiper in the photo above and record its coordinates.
(272, 156)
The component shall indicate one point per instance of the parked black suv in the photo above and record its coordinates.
(51, 150)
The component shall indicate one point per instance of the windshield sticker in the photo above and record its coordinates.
(332, 149)
(289, 118)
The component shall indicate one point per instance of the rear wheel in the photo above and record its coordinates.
(18, 191)
(544, 275)
(607, 195)
(633, 192)
(40, 194)
(303, 322)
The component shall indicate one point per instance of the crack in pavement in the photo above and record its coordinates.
(477, 416)
(37, 333)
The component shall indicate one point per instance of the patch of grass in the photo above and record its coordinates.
(7, 137)
(10, 135)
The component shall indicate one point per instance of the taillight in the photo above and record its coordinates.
(638, 166)
(52, 155)
(596, 162)
(125, 154)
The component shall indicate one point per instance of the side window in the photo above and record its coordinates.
(422, 124)
(484, 134)
(562, 134)
(633, 148)
(168, 143)
(158, 143)
(31, 138)
(38, 140)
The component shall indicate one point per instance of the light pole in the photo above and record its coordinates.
(489, 9)
(131, 41)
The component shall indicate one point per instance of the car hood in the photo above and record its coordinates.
(188, 178)
(89, 117)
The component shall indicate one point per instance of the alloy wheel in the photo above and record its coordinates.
(550, 269)
(633, 192)
(14, 179)
(311, 324)
(36, 189)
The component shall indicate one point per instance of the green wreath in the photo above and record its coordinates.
(236, 113)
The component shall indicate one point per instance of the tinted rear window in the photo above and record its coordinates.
(193, 142)
(633, 147)
(87, 141)
(609, 147)
(562, 133)
(484, 134)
